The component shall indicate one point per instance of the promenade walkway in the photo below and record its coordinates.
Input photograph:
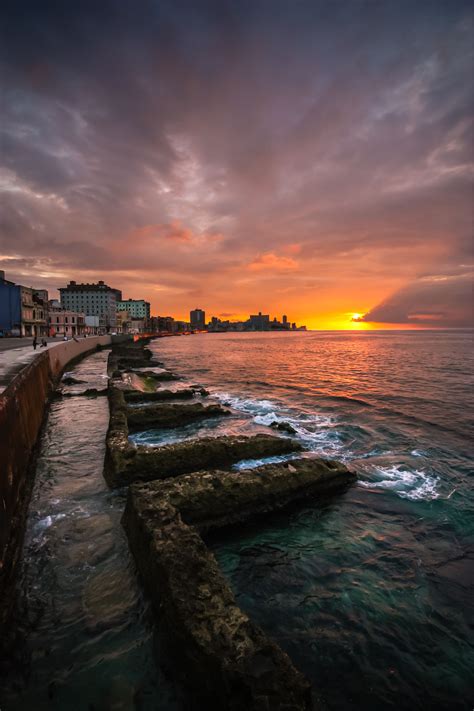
(15, 353)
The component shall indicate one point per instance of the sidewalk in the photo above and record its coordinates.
(13, 359)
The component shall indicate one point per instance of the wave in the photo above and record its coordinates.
(350, 400)
(327, 436)
(316, 432)
(413, 485)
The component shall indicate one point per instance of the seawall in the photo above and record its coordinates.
(22, 407)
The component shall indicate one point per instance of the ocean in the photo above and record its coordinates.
(371, 593)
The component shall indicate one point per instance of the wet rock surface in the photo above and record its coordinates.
(69, 380)
(134, 396)
(126, 462)
(283, 427)
(89, 392)
(170, 415)
(225, 660)
(215, 499)
(153, 375)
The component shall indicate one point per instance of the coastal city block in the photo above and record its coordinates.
(97, 309)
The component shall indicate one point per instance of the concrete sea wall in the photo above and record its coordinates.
(22, 408)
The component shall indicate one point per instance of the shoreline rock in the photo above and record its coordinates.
(126, 462)
(137, 396)
(170, 415)
(176, 496)
(219, 654)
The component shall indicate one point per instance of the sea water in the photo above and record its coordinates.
(372, 592)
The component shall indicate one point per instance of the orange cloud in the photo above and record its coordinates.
(271, 261)
(294, 248)
(171, 231)
(176, 232)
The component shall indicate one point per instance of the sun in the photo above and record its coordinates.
(356, 317)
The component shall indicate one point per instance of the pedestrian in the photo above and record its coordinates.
(43, 343)
(35, 343)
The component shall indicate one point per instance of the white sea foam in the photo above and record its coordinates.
(414, 485)
(48, 521)
(253, 463)
(418, 453)
(316, 432)
(248, 405)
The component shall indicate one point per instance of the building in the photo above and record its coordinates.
(65, 323)
(137, 308)
(40, 312)
(255, 322)
(124, 322)
(10, 307)
(138, 325)
(92, 300)
(23, 310)
(95, 325)
(198, 320)
(182, 327)
(163, 324)
(259, 322)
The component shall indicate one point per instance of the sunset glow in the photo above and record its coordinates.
(323, 163)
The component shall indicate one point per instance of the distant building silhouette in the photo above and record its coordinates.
(198, 319)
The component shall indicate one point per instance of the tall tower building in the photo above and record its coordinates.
(198, 319)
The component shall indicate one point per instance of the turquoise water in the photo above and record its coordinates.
(371, 593)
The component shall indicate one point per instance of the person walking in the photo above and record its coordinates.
(35, 343)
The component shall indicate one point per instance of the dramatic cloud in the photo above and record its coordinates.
(437, 301)
(312, 158)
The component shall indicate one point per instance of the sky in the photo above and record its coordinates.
(313, 159)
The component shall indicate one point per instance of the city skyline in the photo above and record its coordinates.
(315, 159)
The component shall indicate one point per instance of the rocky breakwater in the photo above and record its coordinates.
(224, 659)
(126, 462)
(220, 656)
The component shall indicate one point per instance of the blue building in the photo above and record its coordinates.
(10, 307)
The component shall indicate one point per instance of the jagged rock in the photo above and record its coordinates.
(226, 661)
(201, 391)
(215, 499)
(152, 375)
(170, 415)
(132, 362)
(69, 380)
(90, 392)
(126, 462)
(283, 427)
(135, 396)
